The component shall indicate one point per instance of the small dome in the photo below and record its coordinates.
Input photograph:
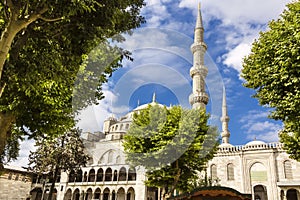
(255, 142)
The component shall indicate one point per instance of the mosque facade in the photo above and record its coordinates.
(261, 169)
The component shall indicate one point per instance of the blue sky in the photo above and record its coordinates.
(162, 59)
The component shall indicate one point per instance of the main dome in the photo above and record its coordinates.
(255, 142)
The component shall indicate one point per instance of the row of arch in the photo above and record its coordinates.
(97, 194)
(100, 175)
(116, 127)
(287, 167)
(18, 177)
(260, 193)
(290, 194)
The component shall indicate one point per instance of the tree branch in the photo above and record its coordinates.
(12, 8)
(50, 20)
(2, 89)
(10, 4)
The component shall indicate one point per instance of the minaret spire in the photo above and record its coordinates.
(225, 119)
(154, 97)
(198, 98)
(199, 23)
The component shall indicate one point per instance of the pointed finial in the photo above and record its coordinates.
(199, 23)
(154, 97)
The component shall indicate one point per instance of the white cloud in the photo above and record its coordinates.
(25, 147)
(258, 126)
(241, 22)
(155, 12)
(234, 57)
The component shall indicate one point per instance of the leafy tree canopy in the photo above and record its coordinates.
(173, 144)
(45, 46)
(52, 155)
(273, 70)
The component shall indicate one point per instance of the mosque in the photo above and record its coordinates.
(261, 169)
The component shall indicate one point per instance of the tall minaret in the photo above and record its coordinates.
(225, 119)
(198, 98)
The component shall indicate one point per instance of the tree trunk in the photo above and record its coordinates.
(7, 38)
(14, 26)
(6, 121)
(53, 183)
(176, 178)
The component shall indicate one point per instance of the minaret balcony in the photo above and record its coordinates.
(202, 70)
(202, 97)
(224, 119)
(200, 46)
(225, 134)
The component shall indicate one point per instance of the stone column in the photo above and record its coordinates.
(284, 194)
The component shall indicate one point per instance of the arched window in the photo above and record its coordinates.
(213, 172)
(130, 194)
(76, 194)
(79, 176)
(291, 194)
(115, 175)
(230, 172)
(288, 169)
(260, 192)
(97, 193)
(91, 176)
(131, 174)
(106, 194)
(108, 174)
(85, 177)
(113, 195)
(121, 193)
(9, 176)
(68, 194)
(100, 175)
(122, 174)
(89, 194)
(127, 126)
(72, 176)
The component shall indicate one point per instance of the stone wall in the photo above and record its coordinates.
(15, 185)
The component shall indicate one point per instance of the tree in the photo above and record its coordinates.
(65, 152)
(173, 144)
(44, 45)
(273, 70)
